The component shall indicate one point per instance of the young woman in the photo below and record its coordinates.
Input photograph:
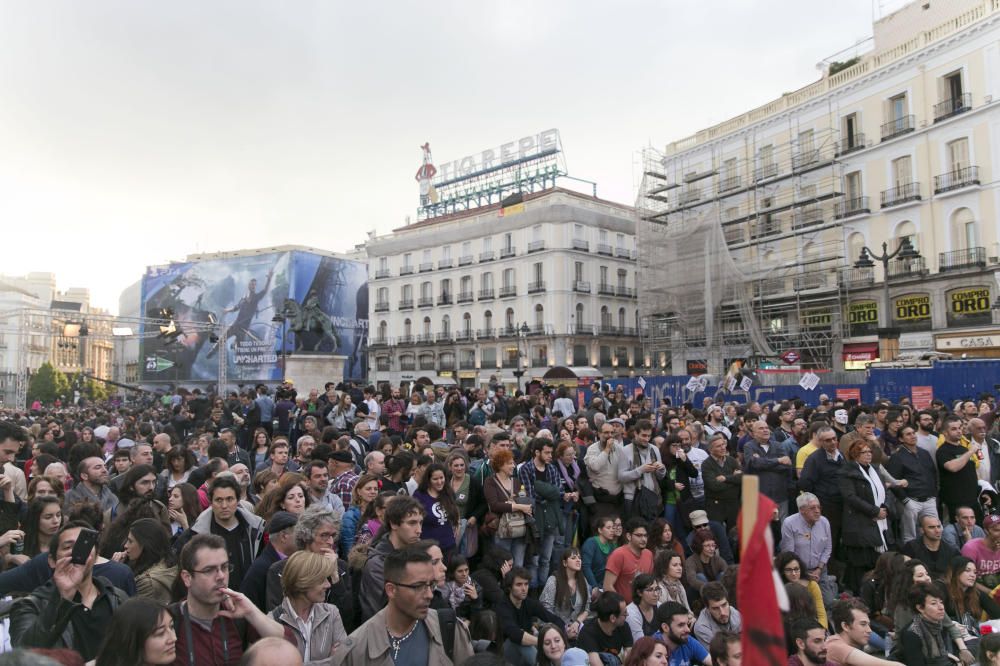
(639, 613)
(141, 634)
(441, 514)
(648, 651)
(183, 508)
(343, 414)
(459, 586)
(668, 570)
(263, 482)
(875, 589)
(569, 474)
(364, 493)
(178, 465)
(414, 408)
(289, 495)
(260, 448)
(457, 464)
(676, 485)
(791, 569)
(567, 593)
(661, 537)
(372, 518)
(150, 556)
(305, 581)
(44, 519)
(552, 645)
(504, 494)
(966, 603)
(398, 469)
(45, 486)
(597, 549)
(912, 573)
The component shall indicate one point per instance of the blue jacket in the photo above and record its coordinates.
(349, 530)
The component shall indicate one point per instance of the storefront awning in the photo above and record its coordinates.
(436, 380)
(861, 351)
(572, 372)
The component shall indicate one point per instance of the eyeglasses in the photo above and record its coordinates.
(211, 571)
(792, 570)
(422, 586)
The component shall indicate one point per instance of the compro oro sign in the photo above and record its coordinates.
(970, 306)
(912, 312)
(863, 317)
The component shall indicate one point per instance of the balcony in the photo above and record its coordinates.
(765, 227)
(734, 234)
(605, 289)
(898, 127)
(536, 246)
(623, 253)
(805, 159)
(580, 244)
(465, 297)
(382, 306)
(536, 287)
(952, 107)
(444, 299)
(508, 363)
(506, 252)
(905, 268)
(427, 364)
(426, 266)
(604, 248)
(901, 194)
(622, 331)
(625, 292)
(404, 340)
(689, 196)
(851, 143)
(957, 179)
(378, 341)
(406, 304)
(425, 302)
(465, 260)
(486, 295)
(765, 171)
(443, 337)
(809, 281)
(539, 362)
(383, 365)
(445, 263)
(807, 216)
(486, 333)
(407, 366)
(728, 183)
(406, 270)
(486, 256)
(425, 338)
(851, 207)
(857, 277)
(581, 286)
(584, 329)
(508, 332)
(382, 273)
(974, 257)
(467, 365)
(463, 336)
(508, 291)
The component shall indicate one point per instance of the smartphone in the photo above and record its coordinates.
(84, 545)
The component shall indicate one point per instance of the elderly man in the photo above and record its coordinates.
(304, 447)
(819, 477)
(772, 462)
(375, 463)
(807, 534)
(989, 452)
(316, 531)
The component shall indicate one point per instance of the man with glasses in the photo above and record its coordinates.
(628, 560)
(211, 622)
(242, 532)
(517, 614)
(807, 534)
(316, 531)
(406, 629)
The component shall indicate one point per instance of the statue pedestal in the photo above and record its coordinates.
(313, 370)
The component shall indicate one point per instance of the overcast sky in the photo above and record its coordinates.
(134, 133)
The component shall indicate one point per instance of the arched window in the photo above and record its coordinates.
(906, 230)
(407, 292)
(486, 281)
(467, 323)
(427, 325)
(580, 323)
(621, 317)
(383, 331)
(539, 317)
(407, 327)
(964, 234)
(855, 242)
(508, 319)
(488, 322)
(426, 290)
(605, 317)
(446, 324)
(466, 286)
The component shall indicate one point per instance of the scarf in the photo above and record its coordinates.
(929, 633)
(570, 481)
(878, 492)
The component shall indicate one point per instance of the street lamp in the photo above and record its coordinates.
(887, 335)
(522, 333)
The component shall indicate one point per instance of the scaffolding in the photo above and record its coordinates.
(741, 249)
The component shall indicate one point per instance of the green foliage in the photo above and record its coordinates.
(836, 66)
(90, 389)
(47, 384)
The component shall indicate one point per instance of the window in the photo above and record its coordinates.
(407, 327)
(383, 295)
(445, 290)
(855, 242)
(602, 235)
(622, 278)
(383, 330)
(621, 318)
(488, 320)
(850, 129)
(952, 84)
(852, 185)
(580, 323)
(578, 232)
(902, 171)
(446, 325)
(467, 323)
(906, 230)
(426, 290)
(604, 274)
(407, 260)
(488, 244)
(963, 229)
(605, 317)
(383, 263)
(539, 317)
(486, 282)
(508, 241)
(729, 173)
(508, 319)
(578, 271)
(536, 232)
(467, 249)
(427, 256)
(897, 107)
(537, 272)
(407, 292)
(806, 143)
(446, 253)
(620, 241)
(508, 278)
(466, 287)
(488, 356)
(766, 156)
(580, 355)
(958, 154)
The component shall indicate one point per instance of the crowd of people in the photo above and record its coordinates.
(364, 525)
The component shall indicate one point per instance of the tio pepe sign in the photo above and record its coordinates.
(528, 146)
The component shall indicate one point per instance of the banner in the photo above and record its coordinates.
(969, 307)
(327, 295)
(862, 318)
(757, 583)
(912, 312)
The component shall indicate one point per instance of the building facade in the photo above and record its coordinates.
(460, 298)
(899, 146)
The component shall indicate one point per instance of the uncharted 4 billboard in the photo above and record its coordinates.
(326, 298)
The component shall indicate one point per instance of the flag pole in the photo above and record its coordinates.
(750, 489)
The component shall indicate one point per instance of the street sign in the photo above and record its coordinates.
(790, 357)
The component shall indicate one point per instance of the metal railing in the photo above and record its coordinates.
(850, 143)
(466, 365)
(952, 107)
(765, 171)
(508, 291)
(604, 248)
(626, 292)
(903, 268)
(426, 266)
(383, 365)
(536, 246)
(382, 306)
(379, 341)
(407, 365)
(445, 263)
(406, 304)
(383, 273)
(809, 281)
(462, 336)
(465, 260)
(465, 297)
(581, 286)
(484, 333)
(956, 179)
(855, 277)
(973, 257)
(898, 126)
(486, 256)
(486, 294)
(728, 183)
(425, 338)
(406, 270)
(404, 340)
(900, 194)
(805, 158)
(443, 337)
(807, 216)
(444, 299)
(507, 252)
(849, 207)
(606, 289)
(734, 234)
(427, 365)
(584, 329)
(580, 244)
(623, 252)
(535, 287)
(425, 302)
(537, 329)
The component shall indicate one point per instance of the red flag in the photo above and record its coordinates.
(763, 635)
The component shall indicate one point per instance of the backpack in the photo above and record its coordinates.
(477, 416)
(446, 621)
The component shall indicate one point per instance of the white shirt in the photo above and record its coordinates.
(696, 457)
(373, 412)
(304, 626)
(983, 470)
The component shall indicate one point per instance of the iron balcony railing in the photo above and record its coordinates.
(486, 256)
(486, 294)
(465, 297)
(952, 107)
(900, 194)
(507, 252)
(407, 365)
(956, 179)
(580, 244)
(807, 216)
(465, 260)
(605, 289)
(537, 329)
(508, 291)
(425, 338)
(425, 302)
(766, 171)
(850, 207)
(973, 257)
(484, 333)
(850, 143)
(406, 304)
(728, 183)
(584, 329)
(379, 341)
(856, 277)
(536, 287)
(463, 336)
(626, 292)
(904, 268)
(382, 306)
(805, 159)
(445, 263)
(427, 365)
(581, 286)
(689, 196)
(404, 340)
(898, 126)
(383, 273)
(623, 252)
(443, 337)
(536, 246)
(426, 266)
(604, 248)
(406, 270)
(444, 299)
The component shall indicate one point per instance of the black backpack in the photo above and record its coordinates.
(446, 621)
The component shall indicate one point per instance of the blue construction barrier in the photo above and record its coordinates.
(947, 380)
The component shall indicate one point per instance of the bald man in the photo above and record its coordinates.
(989, 464)
(272, 650)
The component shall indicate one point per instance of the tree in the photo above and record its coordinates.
(90, 390)
(47, 384)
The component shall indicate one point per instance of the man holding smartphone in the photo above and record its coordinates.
(74, 608)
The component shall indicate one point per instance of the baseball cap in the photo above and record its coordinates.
(574, 657)
(617, 421)
(840, 416)
(698, 517)
(124, 444)
(342, 456)
(281, 520)
(990, 520)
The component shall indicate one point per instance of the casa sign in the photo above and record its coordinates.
(971, 341)
(534, 145)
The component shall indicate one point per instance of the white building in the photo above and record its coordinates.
(458, 298)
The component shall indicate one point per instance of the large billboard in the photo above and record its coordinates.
(328, 297)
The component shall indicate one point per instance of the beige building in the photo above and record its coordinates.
(752, 230)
